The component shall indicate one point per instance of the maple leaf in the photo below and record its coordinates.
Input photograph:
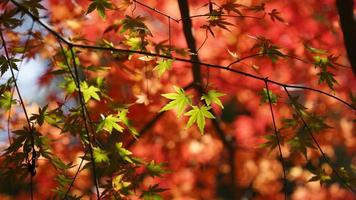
(151, 193)
(89, 92)
(162, 66)
(68, 84)
(257, 8)
(298, 107)
(142, 99)
(109, 123)
(6, 64)
(6, 100)
(135, 26)
(180, 101)
(266, 95)
(275, 15)
(100, 6)
(316, 123)
(320, 176)
(231, 6)
(122, 115)
(118, 183)
(198, 115)
(213, 97)
(124, 153)
(300, 144)
(44, 116)
(312, 49)
(155, 169)
(100, 155)
(328, 78)
(271, 143)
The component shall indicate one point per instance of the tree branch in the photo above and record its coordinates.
(348, 26)
(197, 79)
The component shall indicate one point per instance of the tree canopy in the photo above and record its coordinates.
(205, 99)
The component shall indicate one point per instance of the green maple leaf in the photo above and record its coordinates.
(316, 123)
(100, 6)
(180, 101)
(118, 183)
(328, 78)
(124, 153)
(156, 169)
(300, 144)
(135, 26)
(320, 176)
(44, 116)
(6, 64)
(198, 115)
(162, 66)
(89, 92)
(135, 43)
(271, 143)
(122, 115)
(109, 123)
(266, 95)
(100, 155)
(213, 97)
(6, 100)
(298, 107)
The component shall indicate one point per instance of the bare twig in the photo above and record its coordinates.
(278, 140)
(82, 104)
(318, 145)
(32, 164)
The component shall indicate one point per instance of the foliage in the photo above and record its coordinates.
(105, 129)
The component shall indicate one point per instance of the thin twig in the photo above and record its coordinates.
(278, 140)
(155, 10)
(243, 58)
(223, 15)
(33, 159)
(17, 75)
(318, 145)
(76, 174)
(82, 104)
(54, 33)
(198, 81)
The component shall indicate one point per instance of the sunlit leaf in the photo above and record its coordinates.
(213, 97)
(89, 92)
(6, 100)
(118, 183)
(156, 169)
(162, 66)
(100, 155)
(198, 115)
(109, 123)
(179, 101)
(124, 153)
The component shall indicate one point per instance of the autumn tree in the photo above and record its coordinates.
(224, 99)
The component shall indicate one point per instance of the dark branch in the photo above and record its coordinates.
(197, 78)
(57, 35)
(348, 26)
(276, 133)
(82, 104)
(187, 29)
